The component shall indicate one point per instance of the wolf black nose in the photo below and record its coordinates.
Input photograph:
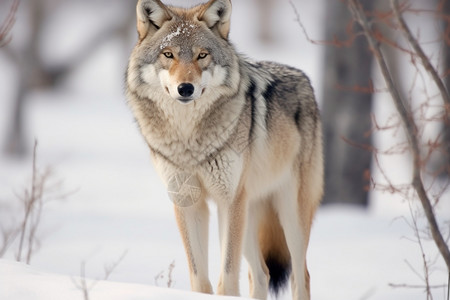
(185, 89)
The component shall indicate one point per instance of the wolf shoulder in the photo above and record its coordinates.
(287, 88)
(284, 80)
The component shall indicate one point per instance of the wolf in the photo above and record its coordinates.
(243, 134)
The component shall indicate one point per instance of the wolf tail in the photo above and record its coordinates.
(275, 251)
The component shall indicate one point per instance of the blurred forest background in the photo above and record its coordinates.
(42, 56)
(77, 51)
(53, 39)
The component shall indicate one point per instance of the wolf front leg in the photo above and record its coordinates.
(193, 225)
(231, 229)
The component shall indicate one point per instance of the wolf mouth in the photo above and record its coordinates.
(185, 100)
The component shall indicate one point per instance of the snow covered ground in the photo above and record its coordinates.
(117, 204)
(20, 281)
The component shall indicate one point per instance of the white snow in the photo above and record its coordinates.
(117, 203)
(168, 38)
(21, 282)
(185, 28)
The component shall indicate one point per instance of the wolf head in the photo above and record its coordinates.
(183, 54)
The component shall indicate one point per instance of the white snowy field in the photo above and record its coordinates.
(20, 281)
(117, 205)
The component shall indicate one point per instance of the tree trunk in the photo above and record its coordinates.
(446, 42)
(28, 64)
(346, 111)
(34, 74)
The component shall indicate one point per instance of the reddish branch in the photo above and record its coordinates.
(410, 126)
(7, 25)
(335, 41)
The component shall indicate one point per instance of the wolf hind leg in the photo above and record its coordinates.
(307, 282)
(295, 222)
(193, 224)
(258, 272)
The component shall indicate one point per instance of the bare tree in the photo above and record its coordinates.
(347, 104)
(34, 73)
(23, 233)
(379, 26)
(421, 190)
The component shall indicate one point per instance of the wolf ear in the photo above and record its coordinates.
(216, 14)
(151, 15)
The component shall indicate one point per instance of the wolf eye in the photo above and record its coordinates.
(168, 54)
(202, 55)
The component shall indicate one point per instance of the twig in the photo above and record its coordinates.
(160, 275)
(33, 201)
(82, 284)
(29, 202)
(299, 22)
(6, 27)
(111, 267)
(410, 128)
(416, 286)
(335, 42)
(8, 236)
(169, 274)
(426, 268)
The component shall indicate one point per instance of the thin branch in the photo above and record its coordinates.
(82, 284)
(8, 237)
(423, 57)
(160, 276)
(426, 268)
(410, 128)
(29, 202)
(169, 274)
(416, 286)
(34, 224)
(299, 22)
(111, 267)
(335, 42)
(6, 27)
